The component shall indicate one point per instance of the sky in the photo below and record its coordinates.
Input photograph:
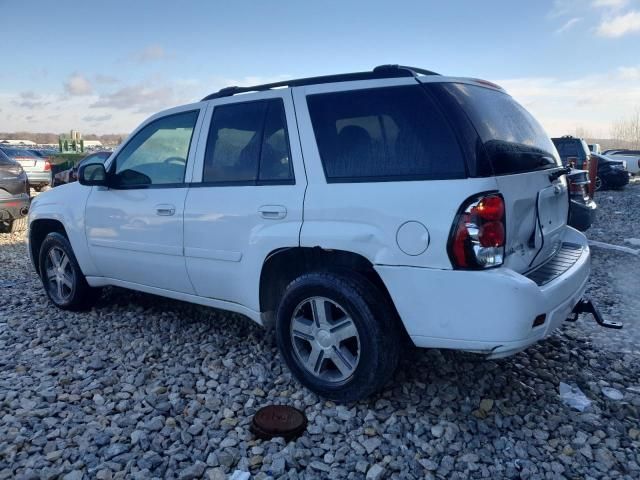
(103, 67)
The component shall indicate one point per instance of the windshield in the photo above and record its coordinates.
(513, 139)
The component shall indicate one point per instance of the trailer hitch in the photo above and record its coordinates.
(585, 305)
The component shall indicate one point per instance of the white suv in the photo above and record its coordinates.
(355, 211)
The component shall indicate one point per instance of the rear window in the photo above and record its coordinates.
(18, 152)
(566, 148)
(384, 134)
(514, 141)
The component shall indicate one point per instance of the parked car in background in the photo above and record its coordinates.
(46, 154)
(573, 151)
(582, 208)
(630, 157)
(14, 195)
(353, 210)
(611, 173)
(71, 174)
(595, 148)
(38, 169)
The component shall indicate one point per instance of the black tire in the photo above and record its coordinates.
(80, 295)
(600, 184)
(376, 322)
(13, 226)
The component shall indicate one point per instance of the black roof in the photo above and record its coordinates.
(382, 71)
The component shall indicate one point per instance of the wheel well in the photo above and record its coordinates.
(38, 230)
(282, 266)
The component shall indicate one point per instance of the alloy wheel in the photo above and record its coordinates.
(59, 275)
(325, 339)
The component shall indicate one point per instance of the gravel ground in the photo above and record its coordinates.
(145, 387)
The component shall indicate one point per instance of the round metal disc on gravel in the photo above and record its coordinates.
(278, 421)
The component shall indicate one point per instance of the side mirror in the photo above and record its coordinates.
(92, 174)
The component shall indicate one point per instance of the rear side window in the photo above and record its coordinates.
(248, 145)
(384, 134)
(514, 141)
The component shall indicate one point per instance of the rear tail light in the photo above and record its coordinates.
(478, 236)
(579, 189)
(47, 165)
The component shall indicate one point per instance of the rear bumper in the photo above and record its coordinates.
(490, 312)
(14, 207)
(39, 178)
(582, 215)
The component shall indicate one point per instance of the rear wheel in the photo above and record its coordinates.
(338, 335)
(63, 281)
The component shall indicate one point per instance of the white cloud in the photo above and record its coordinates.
(78, 84)
(614, 4)
(105, 79)
(620, 25)
(568, 24)
(593, 102)
(97, 118)
(151, 53)
(629, 73)
(140, 98)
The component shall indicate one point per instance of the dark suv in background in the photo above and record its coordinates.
(574, 152)
(14, 195)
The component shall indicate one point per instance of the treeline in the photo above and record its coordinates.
(107, 139)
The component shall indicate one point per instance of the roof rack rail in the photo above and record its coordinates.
(381, 71)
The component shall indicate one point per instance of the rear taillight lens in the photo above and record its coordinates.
(579, 189)
(478, 236)
(47, 165)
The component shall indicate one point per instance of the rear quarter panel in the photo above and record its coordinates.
(364, 218)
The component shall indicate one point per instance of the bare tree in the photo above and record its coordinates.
(627, 130)
(582, 132)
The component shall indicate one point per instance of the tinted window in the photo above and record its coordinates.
(18, 152)
(248, 144)
(157, 154)
(394, 133)
(275, 159)
(513, 139)
(4, 160)
(566, 148)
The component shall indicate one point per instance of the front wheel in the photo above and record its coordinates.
(63, 281)
(338, 335)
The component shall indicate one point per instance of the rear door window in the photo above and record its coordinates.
(513, 139)
(248, 145)
(384, 134)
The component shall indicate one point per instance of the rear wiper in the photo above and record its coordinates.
(556, 174)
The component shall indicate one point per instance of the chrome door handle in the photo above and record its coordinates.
(165, 210)
(272, 212)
